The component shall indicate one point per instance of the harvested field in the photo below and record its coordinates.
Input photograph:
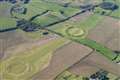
(13, 38)
(107, 33)
(31, 44)
(83, 69)
(33, 59)
(9, 40)
(62, 59)
(94, 63)
(81, 17)
(2, 48)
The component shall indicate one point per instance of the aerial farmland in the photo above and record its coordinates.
(59, 39)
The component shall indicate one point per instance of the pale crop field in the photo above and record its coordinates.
(24, 65)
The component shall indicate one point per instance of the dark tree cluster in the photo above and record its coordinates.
(109, 6)
(101, 75)
(15, 1)
(27, 26)
(19, 9)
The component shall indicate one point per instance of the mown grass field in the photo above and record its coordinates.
(88, 24)
(5, 19)
(24, 65)
(36, 7)
(6, 23)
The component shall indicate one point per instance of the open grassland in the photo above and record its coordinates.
(5, 19)
(37, 7)
(48, 18)
(90, 23)
(84, 26)
(24, 65)
(6, 23)
(98, 47)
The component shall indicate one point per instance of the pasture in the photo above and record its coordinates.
(5, 19)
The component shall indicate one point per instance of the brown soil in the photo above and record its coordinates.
(10, 39)
(63, 58)
(94, 63)
(107, 33)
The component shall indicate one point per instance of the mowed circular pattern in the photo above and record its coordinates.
(75, 32)
(17, 68)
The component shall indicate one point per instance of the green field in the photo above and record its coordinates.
(37, 7)
(22, 66)
(114, 14)
(86, 25)
(6, 23)
(5, 19)
(90, 23)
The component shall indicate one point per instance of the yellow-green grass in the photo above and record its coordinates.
(75, 32)
(113, 77)
(48, 19)
(5, 19)
(118, 59)
(90, 23)
(99, 10)
(86, 25)
(24, 65)
(37, 7)
(108, 53)
(6, 23)
(68, 76)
